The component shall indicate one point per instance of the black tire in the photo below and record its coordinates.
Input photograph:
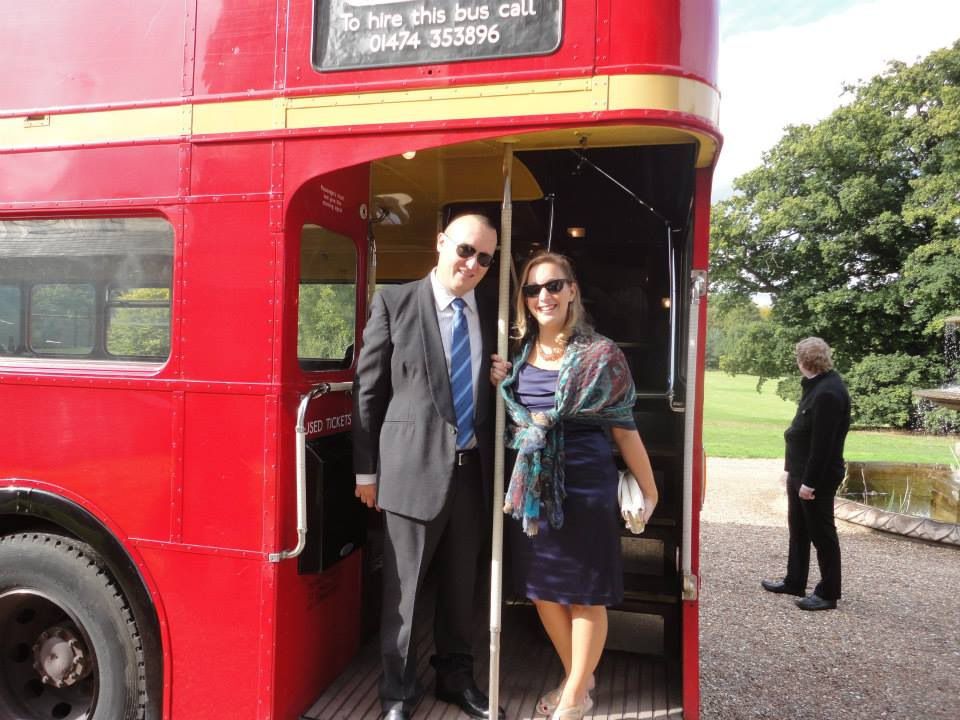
(49, 581)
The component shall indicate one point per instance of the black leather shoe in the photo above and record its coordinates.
(397, 714)
(473, 702)
(815, 602)
(781, 588)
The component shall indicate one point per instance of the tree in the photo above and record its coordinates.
(728, 317)
(138, 322)
(852, 225)
(326, 320)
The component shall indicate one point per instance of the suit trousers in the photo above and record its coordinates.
(448, 546)
(811, 521)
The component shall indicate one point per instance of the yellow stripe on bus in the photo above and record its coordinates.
(461, 103)
(522, 99)
(80, 128)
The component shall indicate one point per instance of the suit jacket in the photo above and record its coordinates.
(815, 437)
(404, 426)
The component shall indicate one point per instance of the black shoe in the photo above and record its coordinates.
(473, 702)
(815, 602)
(397, 713)
(781, 588)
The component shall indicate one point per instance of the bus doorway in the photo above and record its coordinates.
(624, 215)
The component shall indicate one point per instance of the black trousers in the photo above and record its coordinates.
(448, 546)
(811, 521)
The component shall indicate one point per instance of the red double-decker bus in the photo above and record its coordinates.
(197, 200)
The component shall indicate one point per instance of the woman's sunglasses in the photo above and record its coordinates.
(552, 286)
(468, 251)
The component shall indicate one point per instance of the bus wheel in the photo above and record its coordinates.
(69, 647)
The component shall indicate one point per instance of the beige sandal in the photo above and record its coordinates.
(574, 712)
(548, 703)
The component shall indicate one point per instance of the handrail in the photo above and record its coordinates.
(301, 430)
(672, 350)
(698, 290)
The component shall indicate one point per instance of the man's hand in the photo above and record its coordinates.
(806, 492)
(367, 495)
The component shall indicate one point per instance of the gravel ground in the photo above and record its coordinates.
(890, 650)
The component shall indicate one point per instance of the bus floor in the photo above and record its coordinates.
(629, 685)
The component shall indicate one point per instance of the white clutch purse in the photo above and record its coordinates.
(631, 502)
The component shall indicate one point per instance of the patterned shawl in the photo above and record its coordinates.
(595, 386)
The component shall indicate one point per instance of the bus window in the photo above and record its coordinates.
(90, 288)
(328, 299)
(10, 306)
(62, 318)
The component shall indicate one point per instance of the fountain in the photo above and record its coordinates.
(948, 396)
(913, 499)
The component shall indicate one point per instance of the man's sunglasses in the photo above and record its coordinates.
(552, 286)
(468, 251)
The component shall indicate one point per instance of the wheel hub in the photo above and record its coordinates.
(60, 658)
(47, 670)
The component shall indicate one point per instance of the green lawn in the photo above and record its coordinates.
(739, 422)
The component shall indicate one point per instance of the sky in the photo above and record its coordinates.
(784, 62)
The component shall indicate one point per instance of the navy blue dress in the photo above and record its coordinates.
(580, 562)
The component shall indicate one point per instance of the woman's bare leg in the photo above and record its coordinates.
(588, 635)
(557, 621)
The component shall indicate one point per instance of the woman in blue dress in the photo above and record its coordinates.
(566, 390)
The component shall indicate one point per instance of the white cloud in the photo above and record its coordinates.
(793, 75)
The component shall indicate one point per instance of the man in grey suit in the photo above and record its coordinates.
(423, 445)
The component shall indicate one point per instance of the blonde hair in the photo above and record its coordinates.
(525, 326)
(815, 355)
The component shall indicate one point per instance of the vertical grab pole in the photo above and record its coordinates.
(503, 318)
(674, 302)
(698, 290)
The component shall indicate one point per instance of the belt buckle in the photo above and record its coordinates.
(464, 457)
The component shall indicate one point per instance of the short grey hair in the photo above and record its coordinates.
(815, 355)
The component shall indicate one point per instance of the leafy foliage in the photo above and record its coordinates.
(138, 323)
(759, 348)
(326, 320)
(62, 318)
(881, 388)
(852, 226)
(728, 317)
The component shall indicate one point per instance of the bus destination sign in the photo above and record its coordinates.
(353, 34)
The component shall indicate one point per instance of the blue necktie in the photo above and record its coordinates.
(461, 374)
